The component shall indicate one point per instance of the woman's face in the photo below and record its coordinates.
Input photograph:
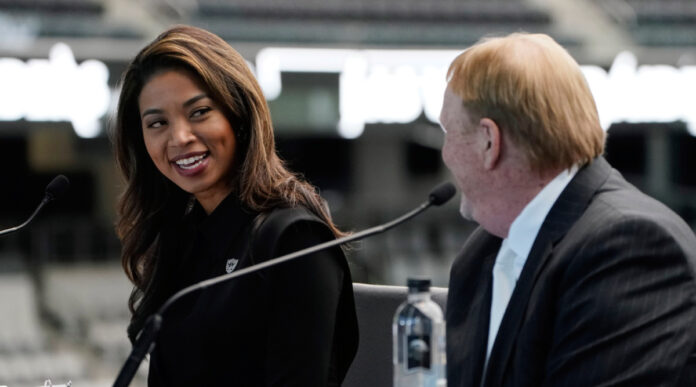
(187, 136)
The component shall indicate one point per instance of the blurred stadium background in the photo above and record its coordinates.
(356, 115)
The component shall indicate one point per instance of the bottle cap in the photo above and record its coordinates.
(418, 285)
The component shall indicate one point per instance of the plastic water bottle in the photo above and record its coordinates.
(419, 339)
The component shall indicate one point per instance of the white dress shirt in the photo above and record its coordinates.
(515, 248)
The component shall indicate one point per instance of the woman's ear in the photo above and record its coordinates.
(491, 142)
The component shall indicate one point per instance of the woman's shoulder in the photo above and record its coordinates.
(283, 217)
(274, 224)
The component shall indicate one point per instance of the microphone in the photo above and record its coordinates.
(145, 341)
(54, 190)
(441, 194)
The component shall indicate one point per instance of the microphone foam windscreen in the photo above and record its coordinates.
(57, 187)
(442, 193)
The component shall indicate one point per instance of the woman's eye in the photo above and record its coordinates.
(199, 112)
(155, 124)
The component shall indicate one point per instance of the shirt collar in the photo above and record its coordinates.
(226, 220)
(524, 229)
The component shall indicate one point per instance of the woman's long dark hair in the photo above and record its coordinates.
(150, 202)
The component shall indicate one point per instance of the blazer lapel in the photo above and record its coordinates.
(468, 309)
(482, 312)
(569, 206)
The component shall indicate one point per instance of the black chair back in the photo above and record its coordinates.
(375, 306)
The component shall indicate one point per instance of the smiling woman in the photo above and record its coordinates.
(188, 137)
(194, 141)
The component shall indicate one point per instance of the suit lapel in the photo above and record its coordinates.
(480, 315)
(468, 308)
(569, 206)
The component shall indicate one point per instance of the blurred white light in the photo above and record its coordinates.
(12, 95)
(270, 62)
(350, 93)
(375, 86)
(396, 86)
(433, 84)
(647, 93)
(55, 89)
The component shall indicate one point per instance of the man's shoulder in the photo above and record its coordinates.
(618, 201)
(620, 210)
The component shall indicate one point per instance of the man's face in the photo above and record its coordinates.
(460, 152)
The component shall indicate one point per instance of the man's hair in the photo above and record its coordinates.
(536, 93)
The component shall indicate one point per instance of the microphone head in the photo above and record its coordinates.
(442, 193)
(57, 187)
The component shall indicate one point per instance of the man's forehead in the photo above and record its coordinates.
(452, 105)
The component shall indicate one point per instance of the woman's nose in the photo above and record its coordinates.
(182, 133)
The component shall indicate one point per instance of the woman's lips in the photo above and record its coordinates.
(190, 165)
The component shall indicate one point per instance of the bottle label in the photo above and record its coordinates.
(418, 347)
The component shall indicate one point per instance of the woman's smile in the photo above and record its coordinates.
(191, 164)
(187, 136)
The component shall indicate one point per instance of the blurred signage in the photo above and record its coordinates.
(389, 86)
(397, 86)
(55, 89)
(647, 93)
(375, 86)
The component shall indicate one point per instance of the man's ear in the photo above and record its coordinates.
(491, 142)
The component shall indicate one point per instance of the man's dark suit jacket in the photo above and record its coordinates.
(607, 296)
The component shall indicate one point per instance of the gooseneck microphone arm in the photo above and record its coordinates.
(145, 341)
(55, 189)
(434, 199)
